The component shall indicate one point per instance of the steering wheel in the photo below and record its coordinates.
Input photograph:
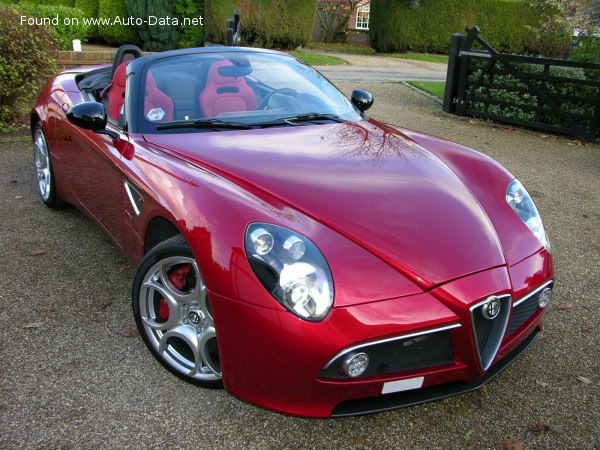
(285, 91)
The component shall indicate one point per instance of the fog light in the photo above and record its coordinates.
(355, 364)
(544, 298)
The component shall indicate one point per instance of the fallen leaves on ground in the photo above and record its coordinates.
(584, 380)
(484, 389)
(511, 444)
(129, 333)
(541, 426)
(541, 383)
(18, 197)
(564, 306)
(34, 325)
(38, 252)
(587, 329)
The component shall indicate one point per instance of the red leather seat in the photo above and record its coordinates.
(226, 94)
(157, 103)
(113, 95)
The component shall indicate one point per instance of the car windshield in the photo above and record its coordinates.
(230, 90)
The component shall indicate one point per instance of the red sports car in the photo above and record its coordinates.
(309, 259)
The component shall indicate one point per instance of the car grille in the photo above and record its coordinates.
(490, 332)
(522, 313)
(398, 355)
(524, 310)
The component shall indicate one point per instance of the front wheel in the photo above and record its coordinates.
(173, 314)
(43, 169)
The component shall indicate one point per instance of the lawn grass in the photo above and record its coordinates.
(429, 57)
(363, 49)
(355, 49)
(436, 88)
(318, 59)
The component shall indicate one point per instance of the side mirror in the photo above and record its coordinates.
(363, 100)
(90, 116)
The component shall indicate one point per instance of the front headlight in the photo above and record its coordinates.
(291, 268)
(521, 202)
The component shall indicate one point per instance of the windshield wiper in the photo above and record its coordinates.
(308, 117)
(205, 123)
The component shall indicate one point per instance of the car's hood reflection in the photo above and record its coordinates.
(366, 181)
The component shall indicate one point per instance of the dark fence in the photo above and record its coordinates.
(548, 94)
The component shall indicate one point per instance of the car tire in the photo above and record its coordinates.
(43, 168)
(173, 315)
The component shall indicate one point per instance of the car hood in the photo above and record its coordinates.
(366, 181)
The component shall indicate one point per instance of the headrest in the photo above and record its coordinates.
(225, 72)
(121, 75)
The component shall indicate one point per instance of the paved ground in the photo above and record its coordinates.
(76, 381)
(366, 68)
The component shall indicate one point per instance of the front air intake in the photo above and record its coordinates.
(399, 354)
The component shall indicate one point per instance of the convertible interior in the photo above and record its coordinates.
(191, 88)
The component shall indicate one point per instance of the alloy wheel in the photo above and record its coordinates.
(177, 319)
(42, 164)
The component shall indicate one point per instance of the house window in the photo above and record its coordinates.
(362, 17)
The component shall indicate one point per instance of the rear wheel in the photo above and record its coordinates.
(43, 169)
(173, 313)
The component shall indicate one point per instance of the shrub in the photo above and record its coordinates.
(587, 50)
(155, 37)
(69, 3)
(191, 36)
(395, 26)
(116, 34)
(89, 8)
(27, 56)
(65, 33)
(265, 23)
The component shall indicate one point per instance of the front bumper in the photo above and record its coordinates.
(275, 360)
(414, 397)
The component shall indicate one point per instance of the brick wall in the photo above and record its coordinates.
(68, 59)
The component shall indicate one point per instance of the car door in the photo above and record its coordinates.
(93, 163)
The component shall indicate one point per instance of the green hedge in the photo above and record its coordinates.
(90, 10)
(70, 3)
(116, 34)
(191, 36)
(265, 23)
(587, 50)
(155, 37)
(65, 33)
(395, 26)
(27, 56)
(167, 37)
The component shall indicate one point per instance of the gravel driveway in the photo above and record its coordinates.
(75, 379)
(376, 69)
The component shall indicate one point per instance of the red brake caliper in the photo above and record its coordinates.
(178, 278)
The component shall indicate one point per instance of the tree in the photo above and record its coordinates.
(156, 36)
(333, 16)
(562, 19)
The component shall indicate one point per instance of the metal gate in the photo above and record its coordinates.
(543, 93)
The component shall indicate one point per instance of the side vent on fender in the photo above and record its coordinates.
(136, 199)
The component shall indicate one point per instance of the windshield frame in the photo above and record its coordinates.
(141, 66)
